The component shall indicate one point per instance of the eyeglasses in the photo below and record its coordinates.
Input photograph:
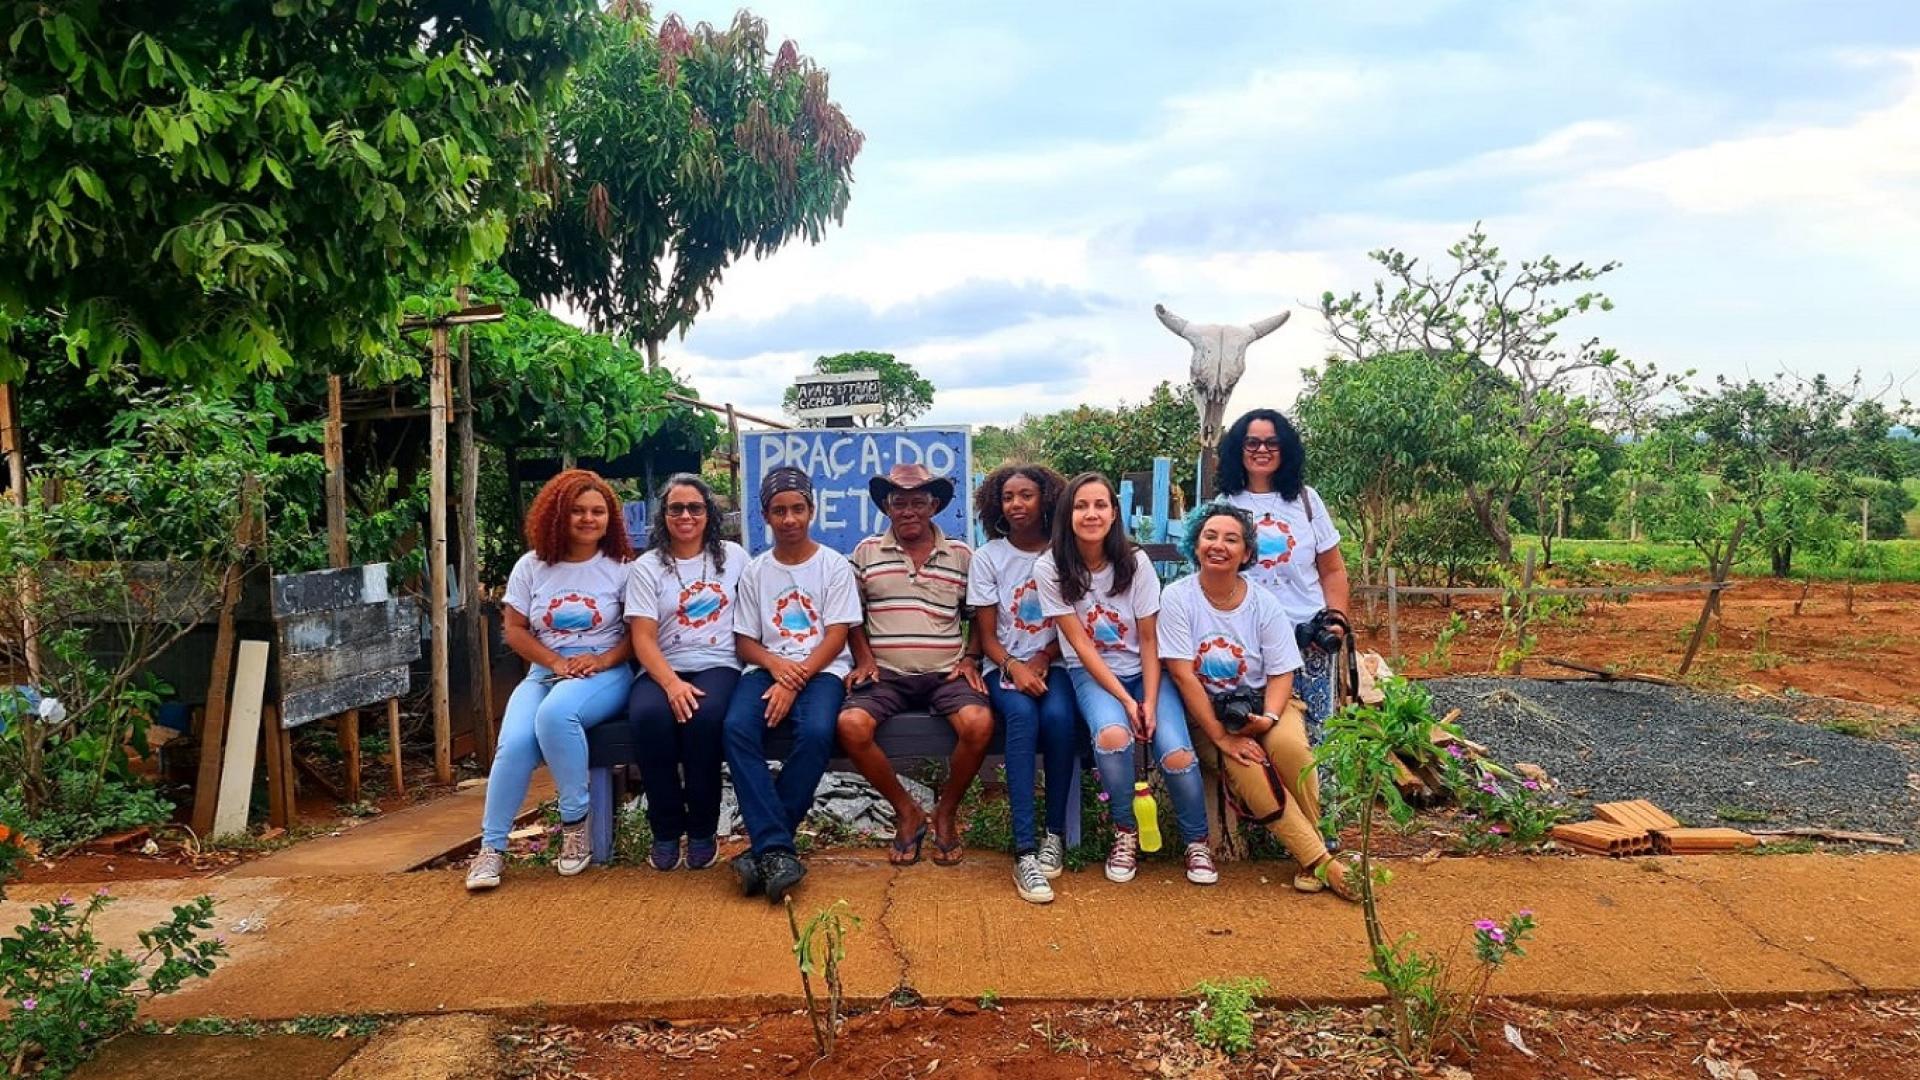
(1255, 446)
(910, 502)
(687, 509)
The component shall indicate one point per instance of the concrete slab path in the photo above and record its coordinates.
(394, 843)
(630, 942)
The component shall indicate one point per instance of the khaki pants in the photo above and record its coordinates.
(1298, 826)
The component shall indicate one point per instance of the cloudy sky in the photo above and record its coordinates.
(1037, 176)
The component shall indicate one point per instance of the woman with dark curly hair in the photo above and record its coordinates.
(680, 597)
(1297, 558)
(1230, 653)
(562, 613)
(1025, 676)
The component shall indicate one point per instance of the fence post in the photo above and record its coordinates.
(1162, 485)
(1720, 570)
(1393, 615)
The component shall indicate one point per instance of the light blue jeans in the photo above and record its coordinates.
(548, 722)
(1102, 710)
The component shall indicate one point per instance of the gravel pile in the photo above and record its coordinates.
(1693, 754)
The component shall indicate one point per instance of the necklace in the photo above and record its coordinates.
(675, 560)
(1235, 594)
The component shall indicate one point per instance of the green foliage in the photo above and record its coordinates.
(1118, 440)
(904, 392)
(677, 153)
(819, 948)
(83, 806)
(1502, 809)
(1441, 544)
(66, 995)
(1221, 1020)
(1888, 504)
(214, 190)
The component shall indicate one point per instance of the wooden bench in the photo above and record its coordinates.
(908, 737)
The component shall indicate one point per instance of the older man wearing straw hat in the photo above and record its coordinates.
(912, 653)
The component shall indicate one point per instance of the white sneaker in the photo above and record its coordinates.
(485, 869)
(576, 849)
(1124, 858)
(1200, 868)
(1030, 881)
(1053, 855)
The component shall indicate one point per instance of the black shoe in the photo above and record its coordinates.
(782, 871)
(747, 868)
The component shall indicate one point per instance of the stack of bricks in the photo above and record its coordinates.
(1638, 827)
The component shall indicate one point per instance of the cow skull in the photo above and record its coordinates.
(1219, 359)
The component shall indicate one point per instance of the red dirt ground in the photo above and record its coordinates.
(1869, 1039)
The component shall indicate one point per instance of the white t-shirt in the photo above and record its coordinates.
(571, 605)
(1111, 621)
(788, 608)
(1002, 578)
(1288, 543)
(691, 605)
(1242, 647)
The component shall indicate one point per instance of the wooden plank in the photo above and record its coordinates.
(1584, 590)
(236, 777)
(437, 558)
(10, 444)
(349, 735)
(213, 730)
(334, 453)
(399, 646)
(470, 614)
(1393, 615)
(354, 692)
(281, 807)
(329, 590)
(393, 746)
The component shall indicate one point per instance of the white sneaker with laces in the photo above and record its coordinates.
(576, 849)
(485, 869)
(1200, 868)
(1052, 855)
(1030, 882)
(1124, 857)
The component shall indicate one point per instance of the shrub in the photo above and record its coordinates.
(1221, 1020)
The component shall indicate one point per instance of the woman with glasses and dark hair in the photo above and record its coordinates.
(1263, 467)
(1026, 677)
(679, 604)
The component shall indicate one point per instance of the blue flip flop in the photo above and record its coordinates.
(902, 846)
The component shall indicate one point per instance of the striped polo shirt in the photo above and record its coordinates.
(913, 616)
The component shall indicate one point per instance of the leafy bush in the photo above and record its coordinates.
(1221, 1020)
(82, 807)
(65, 994)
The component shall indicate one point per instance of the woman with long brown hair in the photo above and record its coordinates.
(562, 614)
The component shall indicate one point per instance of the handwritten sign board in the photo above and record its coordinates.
(840, 461)
(854, 393)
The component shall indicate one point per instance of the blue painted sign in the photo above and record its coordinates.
(840, 461)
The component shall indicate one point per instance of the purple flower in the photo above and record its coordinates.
(1103, 796)
(1497, 935)
(1525, 913)
(29, 1004)
(65, 900)
(1530, 785)
(44, 928)
(86, 974)
(1455, 752)
(1497, 830)
(104, 891)
(1485, 925)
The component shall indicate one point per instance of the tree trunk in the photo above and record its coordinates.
(1782, 559)
(1491, 512)
(653, 353)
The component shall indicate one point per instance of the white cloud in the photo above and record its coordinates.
(1572, 146)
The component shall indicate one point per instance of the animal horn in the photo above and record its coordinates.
(1171, 321)
(1267, 326)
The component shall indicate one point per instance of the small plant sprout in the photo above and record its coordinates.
(1222, 1019)
(818, 949)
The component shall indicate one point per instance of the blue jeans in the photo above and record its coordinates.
(1103, 711)
(548, 722)
(1043, 725)
(773, 808)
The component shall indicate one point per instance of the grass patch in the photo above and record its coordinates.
(328, 1026)
(1798, 845)
(1741, 815)
(1848, 725)
(1892, 560)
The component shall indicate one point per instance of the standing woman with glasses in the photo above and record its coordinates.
(1263, 467)
(561, 614)
(680, 598)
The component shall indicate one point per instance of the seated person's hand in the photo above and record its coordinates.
(862, 674)
(684, 698)
(1257, 725)
(1024, 677)
(968, 668)
(1242, 749)
(788, 673)
(779, 701)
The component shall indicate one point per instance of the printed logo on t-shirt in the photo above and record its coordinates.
(1274, 541)
(1025, 608)
(1107, 629)
(572, 613)
(701, 604)
(1221, 662)
(795, 618)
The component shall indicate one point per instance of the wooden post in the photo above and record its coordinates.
(733, 458)
(279, 753)
(393, 744)
(1720, 571)
(480, 712)
(1393, 615)
(437, 556)
(339, 556)
(1865, 535)
(213, 727)
(17, 488)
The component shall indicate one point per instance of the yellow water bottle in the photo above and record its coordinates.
(1146, 812)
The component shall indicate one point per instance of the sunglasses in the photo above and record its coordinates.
(1271, 446)
(687, 509)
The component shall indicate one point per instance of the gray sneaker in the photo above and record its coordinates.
(576, 849)
(485, 869)
(1052, 855)
(1030, 881)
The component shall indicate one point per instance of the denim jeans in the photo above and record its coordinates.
(680, 762)
(772, 807)
(1102, 710)
(1042, 725)
(548, 722)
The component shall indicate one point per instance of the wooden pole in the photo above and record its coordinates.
(437, 557)
(10, 444)
(1865, 535)
(213, 726)
(733, 458)
(1393, 614)
(1712, 603)
(393, 743)
(479, 708)
(339, 556)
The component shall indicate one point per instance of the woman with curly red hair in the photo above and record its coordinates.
(563, 615)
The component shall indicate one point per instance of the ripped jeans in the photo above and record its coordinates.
(1102, 711)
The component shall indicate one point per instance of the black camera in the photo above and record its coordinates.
(1235, 707)
(1318, 632)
